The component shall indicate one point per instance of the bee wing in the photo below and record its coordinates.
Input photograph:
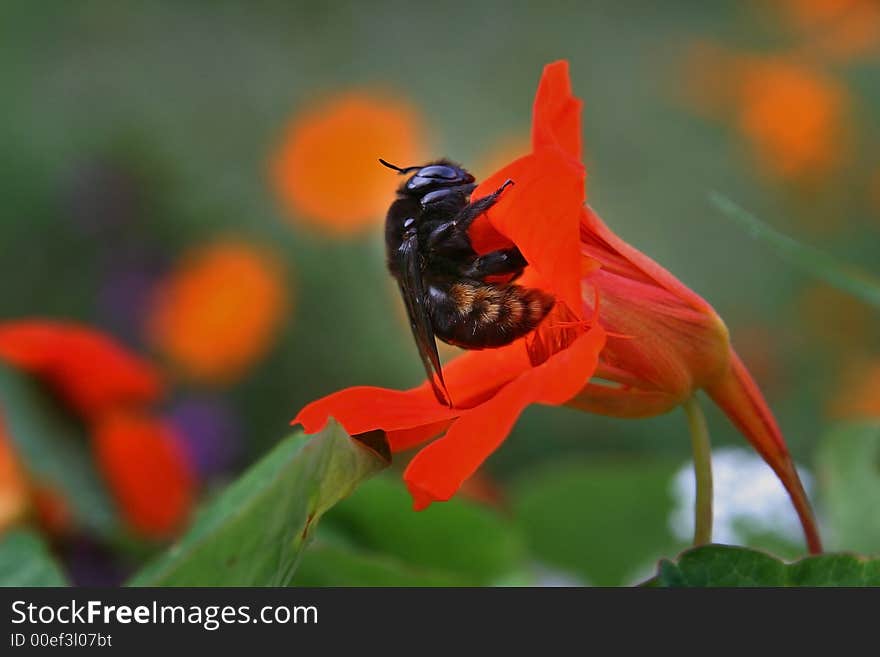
(412, 288)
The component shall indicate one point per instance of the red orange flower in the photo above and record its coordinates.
(618, 315)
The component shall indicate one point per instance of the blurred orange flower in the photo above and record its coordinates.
(21, 498)
(841, 29)
(793, 116)
(14, 489)
(146, 469)
(219, 311)
(326, 171)
(859, 395)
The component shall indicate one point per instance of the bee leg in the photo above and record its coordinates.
(503, 261)
(474, 209)
(453, 234)
(444, 235)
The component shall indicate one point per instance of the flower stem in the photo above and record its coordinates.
(702, 471)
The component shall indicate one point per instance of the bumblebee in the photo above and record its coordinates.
(451, 292)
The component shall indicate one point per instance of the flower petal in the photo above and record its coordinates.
(675, 348)
(541, 215)
(738, 396)
(474, 376)
(593, 227)
(623, 401)
(485, 238)
(403, 439)
(89, 369)
(367, 408)
(556, 121)
(147, 471)
(437, 472)
(413, 416)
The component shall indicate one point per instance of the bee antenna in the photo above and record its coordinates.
(397, 168)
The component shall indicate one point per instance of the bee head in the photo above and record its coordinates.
(431, 177)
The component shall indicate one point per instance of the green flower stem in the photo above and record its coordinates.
(702, 471)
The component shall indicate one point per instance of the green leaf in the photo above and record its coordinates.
(844, 277)
(55, 450)
(254, 533)
(602, 521)
(25, 561)
(848, 468)
(466, 541)
(328, 564)
(724, 565)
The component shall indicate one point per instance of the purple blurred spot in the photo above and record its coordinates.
(126, 292)
(210, 432)
(90, 564)
(124, 300)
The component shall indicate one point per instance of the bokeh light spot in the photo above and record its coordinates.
(793, 116)
(219, 311)
(13, 483)
(326, 170)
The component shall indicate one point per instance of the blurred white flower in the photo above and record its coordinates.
(542, 575)
(748, 498)
(552, 578)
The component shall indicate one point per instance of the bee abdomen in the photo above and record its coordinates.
(476, 315)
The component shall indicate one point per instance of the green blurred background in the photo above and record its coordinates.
(186, 103)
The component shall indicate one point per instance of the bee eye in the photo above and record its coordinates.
(439, 175)
(438, 171)
(409, 222)
(417, 182)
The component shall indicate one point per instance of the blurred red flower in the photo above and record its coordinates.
(146, 468)
(618, 315)
(87, 369)
(104, 385)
